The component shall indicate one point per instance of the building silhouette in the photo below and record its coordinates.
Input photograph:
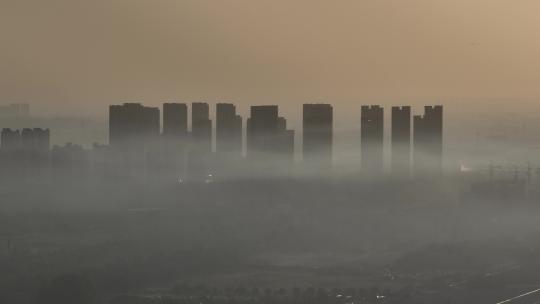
(168, 159)
(199, 154)
(285, 141)
(228, 129)
(25, 154)
(35, 140)
(428, 142)
(133, 125)
(15, 110)
(270, 146)
(317, 123)
(261, 130)
(10, 140)
(401, 141)
(11, 157)
(372, 137)
(201, 126)
(175, 120)
(134, 131)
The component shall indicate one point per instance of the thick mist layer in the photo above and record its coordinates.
(269, 152)
(262, 213)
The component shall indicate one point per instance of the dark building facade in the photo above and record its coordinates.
(401, 141)
(262, 127)
(269, 144)
(228, 129)
(201, 126)
(199, 154)
(132, 124)
(169, 160)
(34, 140)
(428, 142)
(285, 141)
(25, 154)
(175, 120)
(317, 124)
(372, 139)
(134, 132)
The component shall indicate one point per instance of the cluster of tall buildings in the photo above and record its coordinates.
(415, 140)
(172, 145)
(134, 131)
(34, 140)
(270, 144)
(15, 110)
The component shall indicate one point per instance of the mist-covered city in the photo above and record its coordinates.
(181, 206)
(269, 152)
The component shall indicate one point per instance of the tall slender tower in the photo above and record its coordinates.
(401, 141)
(199, 154)
(201, 126)
(317, 125)
(228, 129)
(169, 162)
(428, 142)
(372, 132)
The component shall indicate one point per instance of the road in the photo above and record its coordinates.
(521, 296)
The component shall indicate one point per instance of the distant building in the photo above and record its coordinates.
(175, 120)
(168, 158)
(35, 140)
(401, 141)
(132, 125)
(25, 154)
(15, 110)
(10, 140)
(262, 127)
(199, 155)
(428, 141)
(228, 129)
(201, 125)
(372, 138)
(285, 141)
(317, 140)
(269, 142)
(134, 130)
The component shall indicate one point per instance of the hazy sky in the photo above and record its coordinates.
(71, 55)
